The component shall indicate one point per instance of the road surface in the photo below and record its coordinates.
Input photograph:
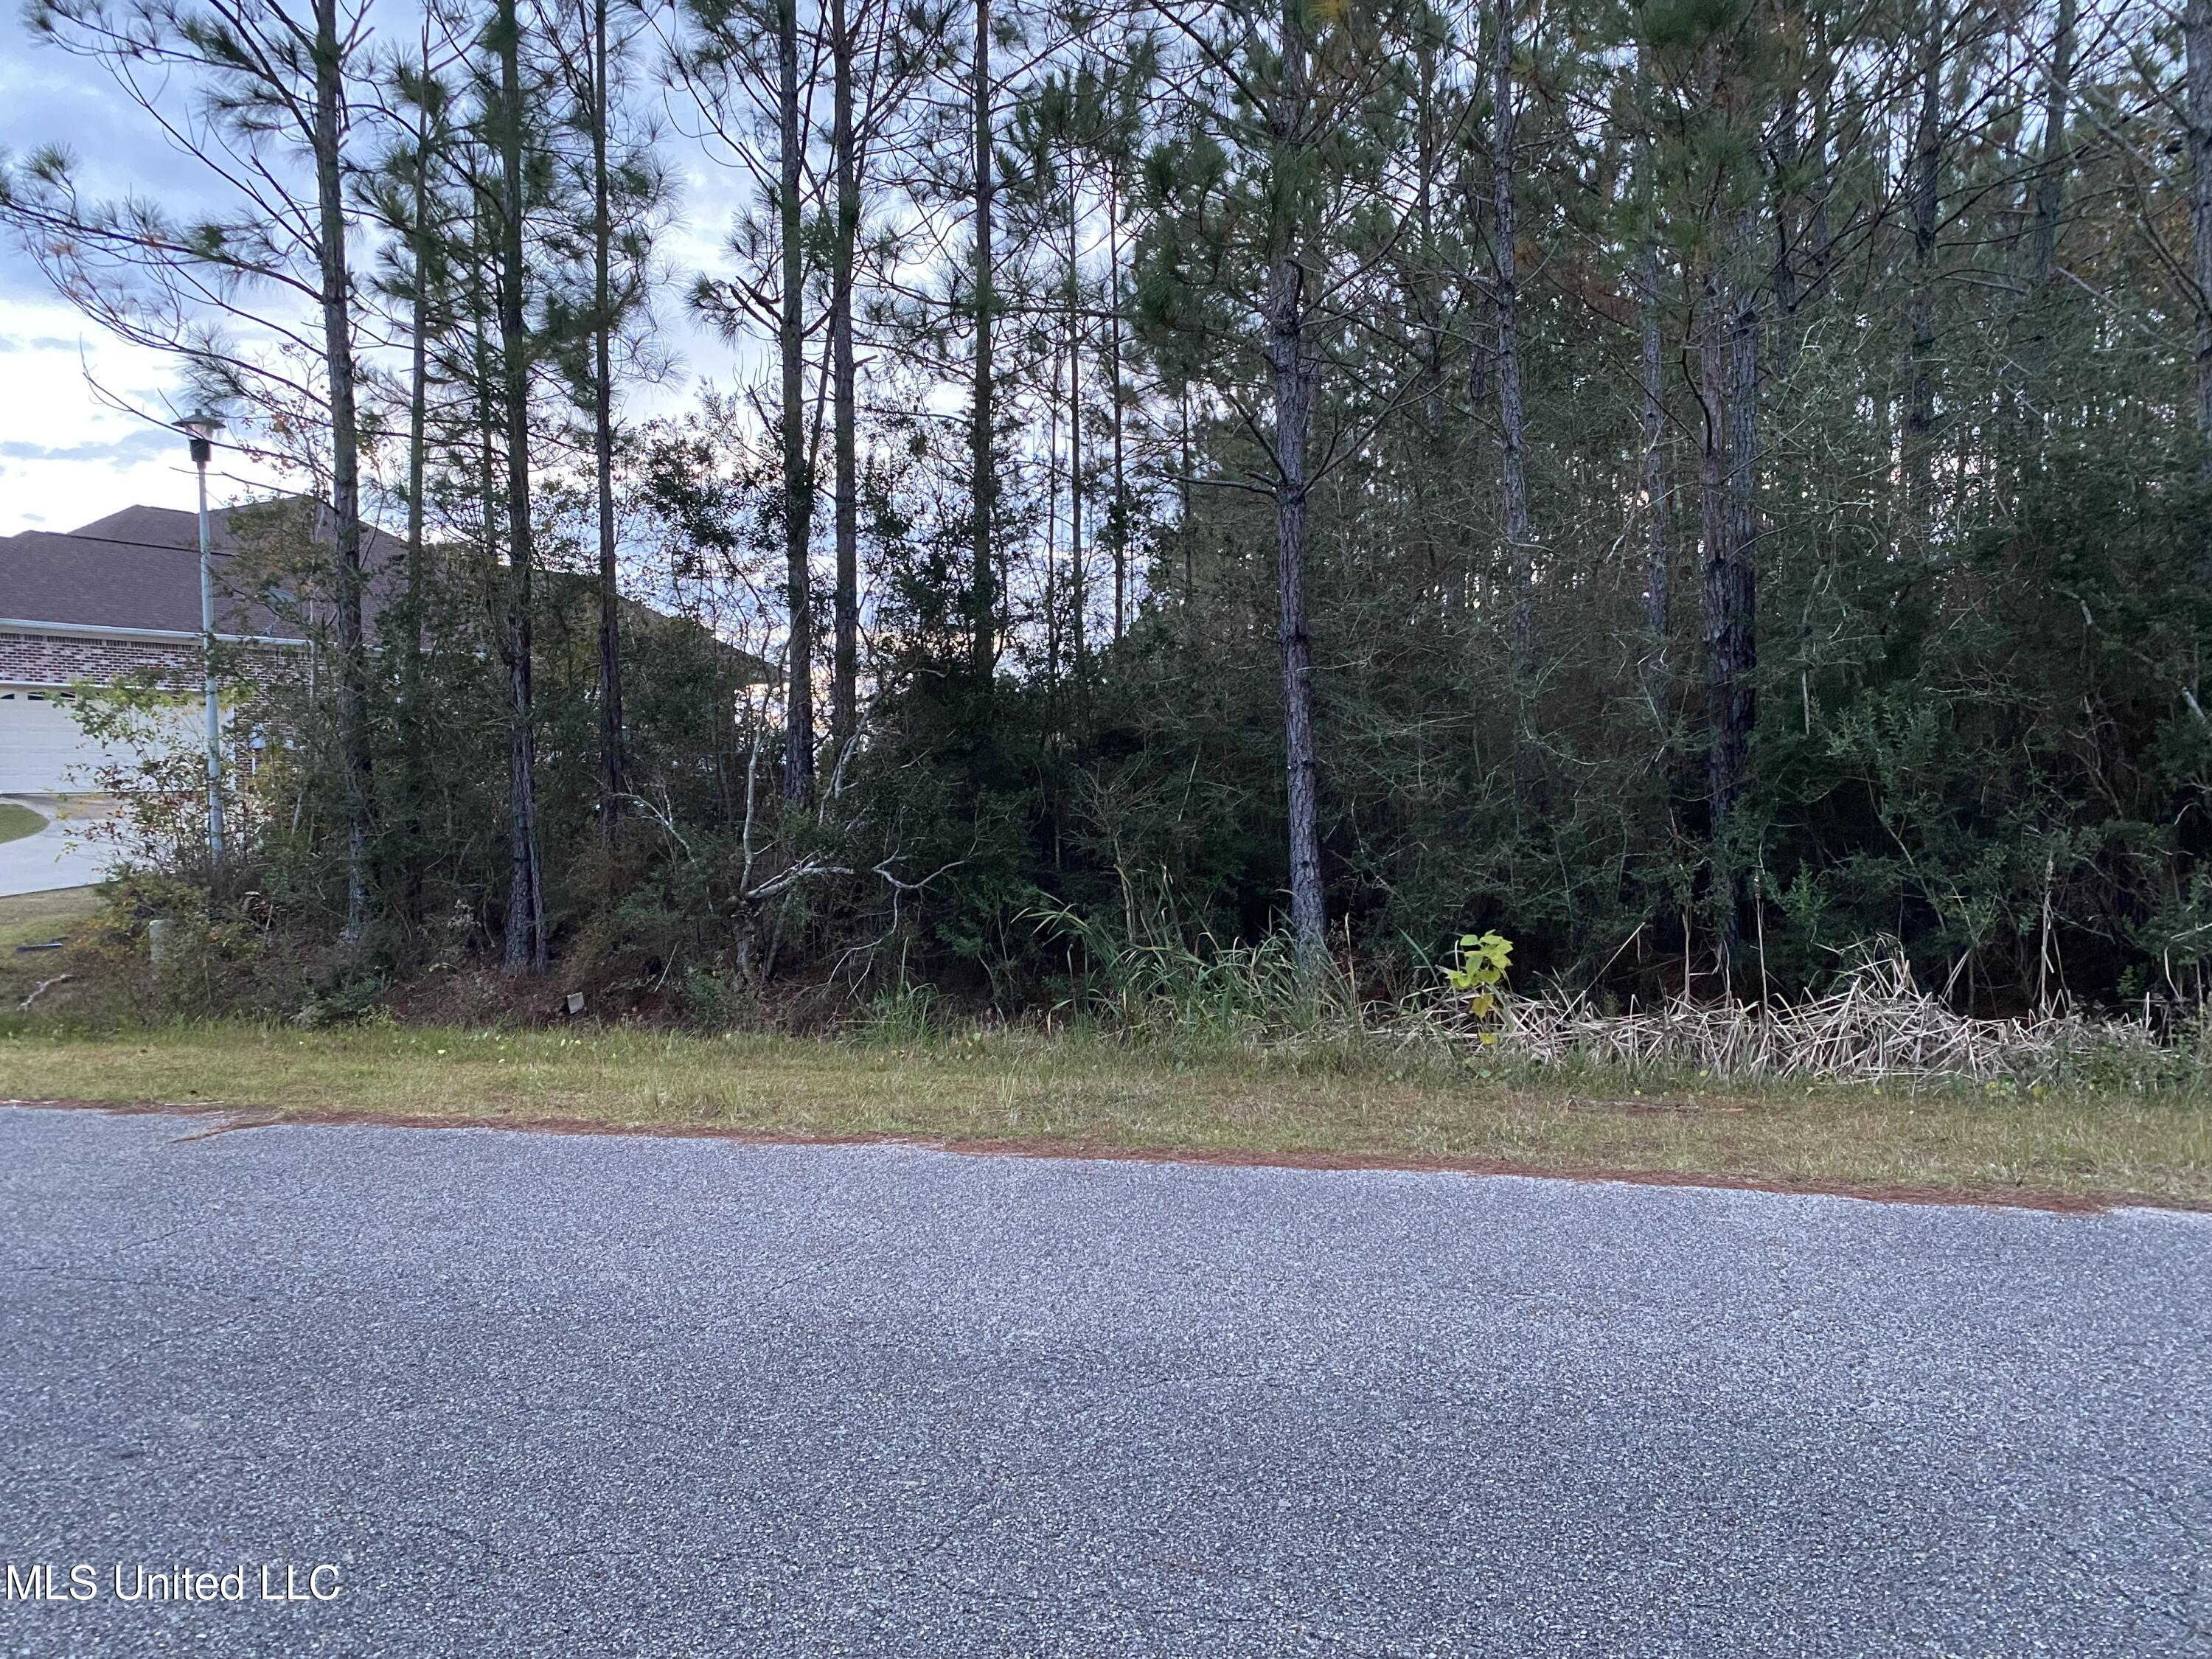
(525, 1394)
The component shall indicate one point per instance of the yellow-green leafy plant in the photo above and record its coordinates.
(1477, 973)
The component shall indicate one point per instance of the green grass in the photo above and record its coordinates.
(35, 918)
(1343, 1102)
(1321, 1103)
(18, 820)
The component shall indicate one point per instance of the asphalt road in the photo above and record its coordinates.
(559, 1395)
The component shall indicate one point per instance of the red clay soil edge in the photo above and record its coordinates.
(231, 1117)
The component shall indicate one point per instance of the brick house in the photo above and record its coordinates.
(120, 595)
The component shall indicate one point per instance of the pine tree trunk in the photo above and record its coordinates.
(983, 437)
(1819, 233)
(2051, 168)
(797, 486)
(1183, 526)
(844, 692)
(526, 897)
(1520, 536)
(415, 784)
(1293, 377)
(1713, 535)
(346, 575)
(490, 424)
(1481, 353)
(2016, 413)
(1744, 388)
(614, 780)
(1728, 372)
(1520, 550)
(1118, 515)
(1657, 567)
(2197, 38)
(1078, 590)
(1920, 397)
(1052, 532)
(1789, 153)
(1427, 306)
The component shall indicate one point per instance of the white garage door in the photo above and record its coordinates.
(43, 750)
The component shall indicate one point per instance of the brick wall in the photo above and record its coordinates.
(61, 659)
(58, 658)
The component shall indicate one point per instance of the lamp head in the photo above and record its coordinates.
(200, 426)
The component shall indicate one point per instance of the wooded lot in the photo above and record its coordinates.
(1698, 487)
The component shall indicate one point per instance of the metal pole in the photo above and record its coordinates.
(207, 654)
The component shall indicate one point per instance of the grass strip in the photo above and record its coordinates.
(1023, 1091)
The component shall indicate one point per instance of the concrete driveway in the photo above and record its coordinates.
(525, 1394)
(62, 854)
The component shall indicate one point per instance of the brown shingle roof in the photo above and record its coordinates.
(138, 567)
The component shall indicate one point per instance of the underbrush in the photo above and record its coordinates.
(144, 948)
(1874, 1025)
(1148, 982)
(1139, 988)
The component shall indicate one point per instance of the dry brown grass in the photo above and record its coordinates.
(1877, 1025)
(1317, 1103)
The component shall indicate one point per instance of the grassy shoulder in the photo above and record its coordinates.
(1026, 1092)
(29, 923)
(35, 918)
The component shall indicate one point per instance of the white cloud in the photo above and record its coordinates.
(67, 456)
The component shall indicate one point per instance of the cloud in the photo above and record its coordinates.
(36, 343)
(148, 444)
(49, 96)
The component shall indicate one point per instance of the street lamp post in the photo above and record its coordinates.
(201, 428)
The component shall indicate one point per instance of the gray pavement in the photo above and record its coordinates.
(568, 1395)
(62, 854)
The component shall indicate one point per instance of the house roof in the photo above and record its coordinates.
(136, 570)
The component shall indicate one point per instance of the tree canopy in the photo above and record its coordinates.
(1694, 487)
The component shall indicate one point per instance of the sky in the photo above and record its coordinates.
(67, 455)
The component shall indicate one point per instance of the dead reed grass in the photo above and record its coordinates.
(1877, 1024)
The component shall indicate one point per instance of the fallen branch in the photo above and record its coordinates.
(805, 869)
(40, 989)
